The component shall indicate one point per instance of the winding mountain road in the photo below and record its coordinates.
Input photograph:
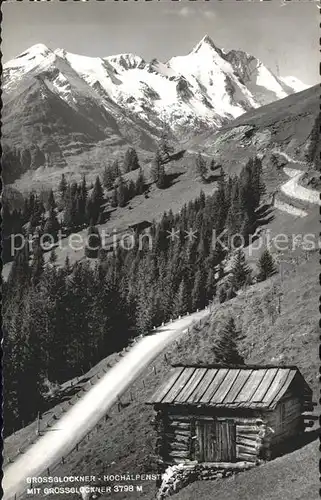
(293, 189)
(290, 209)
(82, 417)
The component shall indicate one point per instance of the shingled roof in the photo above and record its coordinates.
(254, 387)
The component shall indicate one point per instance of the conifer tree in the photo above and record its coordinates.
(144, 312)
(240, 271)
(156, 167)
(235, 215)
(84, 189)
(52, 225)
(181, 301)
(37, 212)
(158, 171)
(51, 203)
(130, 160)
(38, 263)
(70, 213)
(114, 198)
(252, 186)
(213, 165)
(259, 186)
(161, 181)
(222, 295)
(230, 293)
(93, 243)
(101, 218)
(98, 193)
(246, 228)
(53, 256)
(89, 211)
(201, 166)
(266, 266)
(97, 199)
(115, 169)
(29, 356)
(63, 186)
(131, 191)
(19, 276)
(108, 177)
(225, 349)
(67, 266)
(210, 285)
(11, 353)
(140, 182)
(56, 324)
(220, 205)
(199, 290)
(122, 192)
(165, 146)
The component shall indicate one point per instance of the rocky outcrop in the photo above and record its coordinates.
(178, 476)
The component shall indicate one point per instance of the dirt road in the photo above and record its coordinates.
(82, 417)
(293, 189)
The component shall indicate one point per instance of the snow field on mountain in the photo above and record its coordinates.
(200, 90)
(267, 80)
(294, 83)
(208, 67)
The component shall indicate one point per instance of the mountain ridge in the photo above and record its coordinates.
(126, 99)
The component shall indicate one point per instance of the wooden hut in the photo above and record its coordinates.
(216, 413)
(140, 226)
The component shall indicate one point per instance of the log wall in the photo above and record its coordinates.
(255, 435)
(178, 440)
(177, 437)
(285, 421)
(249, 439)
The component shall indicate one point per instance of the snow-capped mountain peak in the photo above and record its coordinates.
(34, 50)
(30, 58)
(37, 58)
(199, 91)
(206, 43)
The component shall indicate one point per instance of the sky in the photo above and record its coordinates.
(285, 36)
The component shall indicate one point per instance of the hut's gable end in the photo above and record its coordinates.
(287, 418)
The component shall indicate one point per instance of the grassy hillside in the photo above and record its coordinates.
(125, 442)
(89, 163)
(284, 125)
(291, 477)
(288, 337)
(184, 186)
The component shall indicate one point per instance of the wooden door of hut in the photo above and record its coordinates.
(215, 440)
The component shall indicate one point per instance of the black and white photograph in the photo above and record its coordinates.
(160, 247)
